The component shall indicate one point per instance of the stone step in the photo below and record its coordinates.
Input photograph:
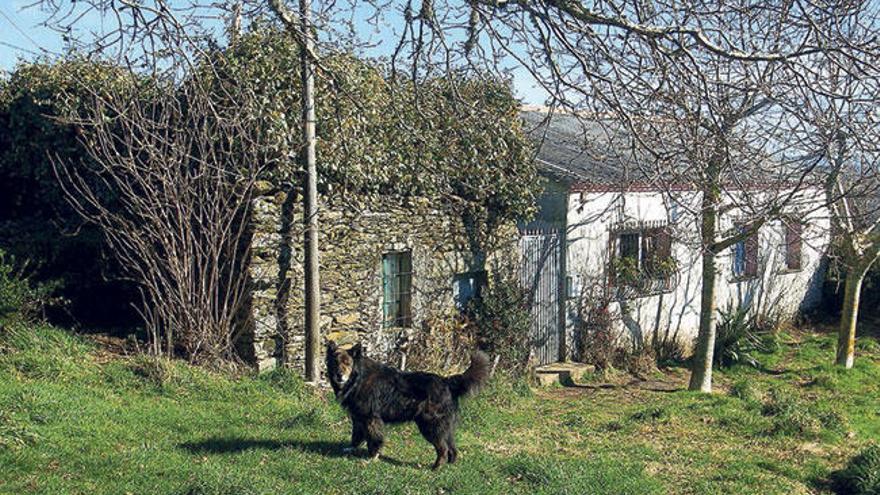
(563, 373)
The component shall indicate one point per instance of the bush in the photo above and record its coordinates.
(861, 476)
(740, 337)
(36, 221)
(597, 342)
(20, 298)
(443, 343)
(503, 320)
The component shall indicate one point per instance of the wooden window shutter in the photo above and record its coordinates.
(664, 244)
(793, 243)
(751, 245)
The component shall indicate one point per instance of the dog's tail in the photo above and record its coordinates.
(473, 378)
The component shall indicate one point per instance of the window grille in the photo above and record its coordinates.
(397, 289)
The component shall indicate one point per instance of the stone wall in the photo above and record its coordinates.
(355, 233)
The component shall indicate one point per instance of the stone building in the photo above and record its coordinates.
(387, 265)
(623, 248)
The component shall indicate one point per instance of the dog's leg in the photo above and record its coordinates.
(452, 455)
(374, 437)
(434, 433)
(442, 452)
(358, 434)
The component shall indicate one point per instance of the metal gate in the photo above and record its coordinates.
(541, 276)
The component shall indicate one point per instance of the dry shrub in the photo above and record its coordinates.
(443, 343)
(641, 361)
(596, 341)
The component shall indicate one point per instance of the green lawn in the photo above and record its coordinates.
(75, 419)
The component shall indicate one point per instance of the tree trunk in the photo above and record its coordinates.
(701, 370)
(310, 217)
(846, 342)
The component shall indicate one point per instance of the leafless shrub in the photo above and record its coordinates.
(443, 343)
(175, 166)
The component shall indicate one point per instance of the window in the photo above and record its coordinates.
(745, 254)
(674, 210)
(468, 287)
(657, 253)
(397, 289)
(793, 244)
(642, 259)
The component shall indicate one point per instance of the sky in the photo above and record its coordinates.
(23, 38)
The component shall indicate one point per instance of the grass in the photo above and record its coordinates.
(75, 420)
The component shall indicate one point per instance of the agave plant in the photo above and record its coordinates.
(739, 338)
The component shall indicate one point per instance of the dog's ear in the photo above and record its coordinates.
(331, 346)
(356, 351)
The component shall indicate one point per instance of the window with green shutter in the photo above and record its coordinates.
(397, 289)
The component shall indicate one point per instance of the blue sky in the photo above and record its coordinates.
(23, 38)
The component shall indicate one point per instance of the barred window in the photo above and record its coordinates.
(397, 289)
(646, 251)
(641, 259)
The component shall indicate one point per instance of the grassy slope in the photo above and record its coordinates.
(73, 420)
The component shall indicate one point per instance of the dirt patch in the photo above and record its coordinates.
(112, 347)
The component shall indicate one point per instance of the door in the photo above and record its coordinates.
(541, 276)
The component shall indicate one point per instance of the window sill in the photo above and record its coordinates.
(628, 292)
(742, 278)
(787, 271)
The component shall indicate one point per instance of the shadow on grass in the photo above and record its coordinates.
(326, 449)
(649, 385)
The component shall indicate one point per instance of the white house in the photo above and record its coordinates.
(630, 252)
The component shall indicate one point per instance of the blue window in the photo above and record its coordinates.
(745, 255)
(467, 288)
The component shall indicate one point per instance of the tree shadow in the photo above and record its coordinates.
(323, 448)
(647, 385)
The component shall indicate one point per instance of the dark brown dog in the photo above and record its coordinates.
(375, 394)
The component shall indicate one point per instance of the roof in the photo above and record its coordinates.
(594, 153)
(568, 147)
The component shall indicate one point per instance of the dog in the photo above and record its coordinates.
(375, 394)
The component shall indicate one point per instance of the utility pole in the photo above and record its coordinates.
(310, 198)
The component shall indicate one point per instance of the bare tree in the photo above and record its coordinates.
(697, 87)
(698, 90)
(837, 124)
(170, 188)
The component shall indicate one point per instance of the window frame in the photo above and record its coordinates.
(750, 248)
(397, 289)
(653, 241)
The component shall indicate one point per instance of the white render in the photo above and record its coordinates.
(674, 315)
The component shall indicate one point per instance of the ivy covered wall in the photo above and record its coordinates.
(356, 231)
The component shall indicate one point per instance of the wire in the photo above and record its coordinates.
(23, 33)
(20, 48)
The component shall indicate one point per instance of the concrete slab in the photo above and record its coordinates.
(563, 373)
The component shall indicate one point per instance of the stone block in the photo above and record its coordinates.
(347, 319)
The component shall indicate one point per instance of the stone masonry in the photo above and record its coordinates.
(355, 233)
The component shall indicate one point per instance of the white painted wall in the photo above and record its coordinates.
(675, 314)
